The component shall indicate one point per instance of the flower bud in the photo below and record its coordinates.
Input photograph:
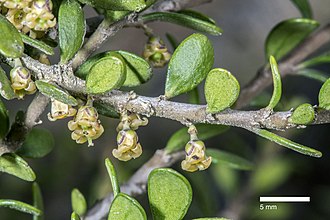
(21, 81)
(128, 145)
(156, 52)
(134, 120)
(60, 110)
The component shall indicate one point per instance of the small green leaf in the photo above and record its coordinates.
(277, 91)
(78, 202)
(11, 44)
(117, 5)
(71, 28)
(138, 69)
(6, 90)
(169, 193)
(75, 216)
(114, 16)
(106, 110)
(106, 74)
(43, 47)
(205, 131)
(287, 35)
(229, 159)
(324, 58)
(287, 143)
(38, 143)
(55, 92)
(221, 90)
(190, 63)
(303, 115)
(125, 207)
(20, 206)
(313, 74)
(184, 20)
(37, 200)
(198, 15)
(324, 95)
(304, 8)
(113, 177)
(15, 165)
(4, 119)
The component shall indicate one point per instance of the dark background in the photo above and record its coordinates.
(217, 191)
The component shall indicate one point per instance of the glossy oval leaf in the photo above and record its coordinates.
(11, 44)
(304, 7)
(303, 115)
(38, 143)
(277, 90)
(20, 206)
(169, 193)
(228, 159)
(221, 90)
(106, 74)
(287, 143)
(4, 119)
(37, 200)
(324, 95)
(16, 166)
(125, 207)
(71, 28)
(78, 202)
(43, 47)
(75, 216)
(184, 20)
(287, 35)
(313, 74)
(138, 69)
(113, 177)
(181, 137)
(117, 5)
(189, 65)
(6, 90)
(55, 92)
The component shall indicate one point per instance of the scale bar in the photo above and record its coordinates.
(285, 199)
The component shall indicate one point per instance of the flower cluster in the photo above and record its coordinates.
(127, 139)
(156, 52)
(33, 16)
(60, 110)
(85, 126)
(21, 81)
(196, 158)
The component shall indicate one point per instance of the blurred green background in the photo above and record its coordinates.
(219, 191)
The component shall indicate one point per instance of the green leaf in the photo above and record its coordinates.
(78, 202)
(6, 90)
(324, 95)
(221, 90)
(287, 35)
(125, 207)
(43, 47)
(169, 193)
(15, 165)
(106, 110)
(193, 96)
(197, 15)
(211, 218)
(183, 20)
(20, 206)
(75, 216)
(113, 177)
(4, 119)
(71, 28)
(181, 137)
(37, 200)
(117, 5)
(114, 16)
(55, 92)
(324, 58)
(277, 91)
(38, 143)
(11, 44)
(229, 159)
(106, 74)
(190, 63)
(287, 143)
(304, 8)
(303, 115)
(138, 69)
(313, 74)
